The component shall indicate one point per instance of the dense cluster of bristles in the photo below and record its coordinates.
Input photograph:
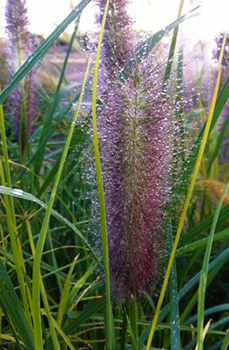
(134, 124)
(19, 47)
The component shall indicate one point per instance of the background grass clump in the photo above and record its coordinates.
(113, 189)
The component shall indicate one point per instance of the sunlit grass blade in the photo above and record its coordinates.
(189, 164)
(204, 332)
(204, 273)
(143, 50)
(42, 49)
(13, 309)
(188, 198)
(108, 320)
(44, 229)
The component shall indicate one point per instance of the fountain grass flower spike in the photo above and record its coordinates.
(118, 38)
(22, 99)
(136, 141)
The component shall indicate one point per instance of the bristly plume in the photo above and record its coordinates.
(118, 40)
(23, 98)
(136, 140)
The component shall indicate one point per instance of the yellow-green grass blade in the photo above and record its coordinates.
(44, 230)
(108, 320)
(188, 198)
(204, 273)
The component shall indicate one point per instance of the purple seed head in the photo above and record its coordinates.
(18, 34)
(134, 124)
(136, 142)
(23, 98)
(118, 36)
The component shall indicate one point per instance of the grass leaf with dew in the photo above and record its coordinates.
(42, 49)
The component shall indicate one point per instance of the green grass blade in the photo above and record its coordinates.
(132, 336)
(27, 196)
(65, 293)
(188, 198)
(222, 99)
(146, 47)
(219, 141)
(201, 243)
(11, 220)
(172, 47)
(225, 341)
(90, 310)
(13, 310)
(41, 50)
(44, 230)
(174, 304)
(203, 225)
(204, 273)
(54, 104)
(108, 320)
(217, 263)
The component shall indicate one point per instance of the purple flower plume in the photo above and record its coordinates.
(22, 99)
(136, 140)
(136, 169)
(118, 38)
